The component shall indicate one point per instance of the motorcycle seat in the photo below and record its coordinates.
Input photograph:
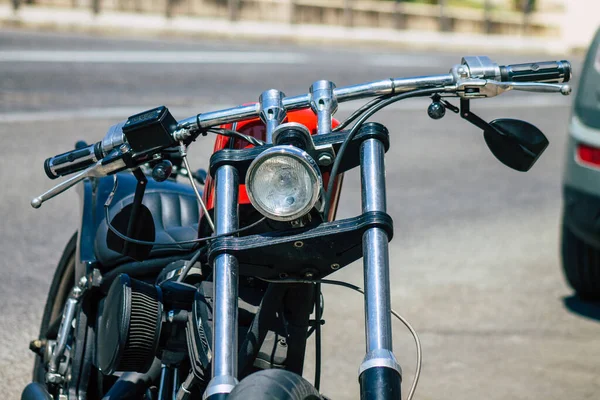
(174, 209)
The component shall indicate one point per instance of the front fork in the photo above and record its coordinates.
(225, 284)
(379, 374)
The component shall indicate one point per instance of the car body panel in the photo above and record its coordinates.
(581, 180)
(577, 174)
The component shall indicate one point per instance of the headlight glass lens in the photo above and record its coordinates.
(283, 183)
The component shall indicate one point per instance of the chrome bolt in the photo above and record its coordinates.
(309, 275)
(124, 148)
(298, 244)
(325, 159)
(171, 316)
(335, 266)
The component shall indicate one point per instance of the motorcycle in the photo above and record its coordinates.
(167, 291)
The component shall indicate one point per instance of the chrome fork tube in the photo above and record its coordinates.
(225, 286)
(379, 366)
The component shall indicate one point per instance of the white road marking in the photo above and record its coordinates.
(406, 60)
(153, 57)
(121, 113)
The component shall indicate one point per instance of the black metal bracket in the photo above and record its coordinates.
(310, 253)
(449, 106)
(465, 113)
(135, 224)
(241, 159)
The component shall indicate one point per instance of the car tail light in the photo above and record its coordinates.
(588, 155)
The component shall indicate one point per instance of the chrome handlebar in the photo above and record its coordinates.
(343, 94)
(473, 78)
(472, 73)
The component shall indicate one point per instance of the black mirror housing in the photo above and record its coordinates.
(515, 143)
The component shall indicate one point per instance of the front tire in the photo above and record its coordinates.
(581, 265)
(274, 384)
(62, 283)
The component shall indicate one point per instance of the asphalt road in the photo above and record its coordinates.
(475, 263)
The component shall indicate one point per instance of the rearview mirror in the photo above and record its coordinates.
(515, 143)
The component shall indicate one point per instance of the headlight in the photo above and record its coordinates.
(284, 183)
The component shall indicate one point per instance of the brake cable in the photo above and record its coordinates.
(358, 112)
(404, 321)
(183, 152)
(377, 105)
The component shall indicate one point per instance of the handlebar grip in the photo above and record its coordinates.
(73, 161)
(545, 71)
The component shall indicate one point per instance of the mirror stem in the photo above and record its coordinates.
(135, 224)
(465, 112)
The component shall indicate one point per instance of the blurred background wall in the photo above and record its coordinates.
(570, 22)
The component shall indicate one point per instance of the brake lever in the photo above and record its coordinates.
(483, 88)
(112, 163)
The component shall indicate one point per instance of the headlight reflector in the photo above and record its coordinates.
(284, 183)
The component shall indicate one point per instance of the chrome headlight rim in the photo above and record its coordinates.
(299, 155)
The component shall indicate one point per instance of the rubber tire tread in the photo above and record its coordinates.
(274, 384)
(581, 265)
(61, 269)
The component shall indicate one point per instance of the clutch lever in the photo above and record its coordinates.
(483, 88)
(112, 163)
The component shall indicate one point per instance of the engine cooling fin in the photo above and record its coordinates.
(130, 326)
